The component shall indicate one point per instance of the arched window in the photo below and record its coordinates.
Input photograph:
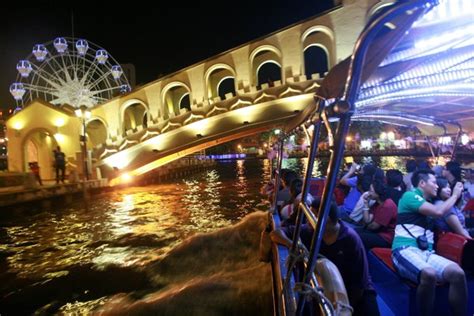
(266, 64)
(96, 132)
(176, 96)
(185, 103)
(133, 116)
(319, 50)
(227, 85)
(315, 61)
(268, 72)
(220, 80)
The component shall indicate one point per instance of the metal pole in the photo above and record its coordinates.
(300, 214)
(309, 172)
(278, 176)
(326, 199)
(84, 149)
(456, 140)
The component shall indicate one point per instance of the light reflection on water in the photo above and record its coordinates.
(135, 225)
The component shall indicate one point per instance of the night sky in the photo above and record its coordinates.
(158, 41)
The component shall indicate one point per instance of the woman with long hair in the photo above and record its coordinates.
(453, 221)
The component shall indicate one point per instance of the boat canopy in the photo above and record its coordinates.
(418, 68)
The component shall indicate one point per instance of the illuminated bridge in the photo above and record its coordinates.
(240, 92)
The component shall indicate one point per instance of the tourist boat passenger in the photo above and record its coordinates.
(340, 242)
(412, 246)
(453, 221)
(380, 219)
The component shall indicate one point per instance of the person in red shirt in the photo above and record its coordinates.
(380, 219)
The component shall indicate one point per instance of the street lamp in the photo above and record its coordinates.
(84, 114)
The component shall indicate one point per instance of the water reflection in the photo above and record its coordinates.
(131, 226)
(120, 218)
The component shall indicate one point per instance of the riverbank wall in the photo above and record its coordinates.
(21, 191)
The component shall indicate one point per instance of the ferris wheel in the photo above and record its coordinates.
(68, 71)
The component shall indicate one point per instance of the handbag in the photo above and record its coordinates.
(421, 241)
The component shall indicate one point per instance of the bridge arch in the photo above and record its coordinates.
(265, 55)
(38, 145)
(215, 76)
(134, 113)
(268, 72)
(97, 132)
(175, 96)
(318, 47)
(225, 86)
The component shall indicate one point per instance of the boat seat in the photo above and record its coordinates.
(316, 187)
(384, 254)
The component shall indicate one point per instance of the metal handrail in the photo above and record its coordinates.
(278, 177)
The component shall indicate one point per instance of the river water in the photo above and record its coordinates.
(189, 247)
(144, 242)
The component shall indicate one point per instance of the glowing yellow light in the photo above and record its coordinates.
(348, 138)
(126, 177)
(200, 126)
(383, 135)
(59, 137)
(59, 122)
(17, 125)
(119, 160)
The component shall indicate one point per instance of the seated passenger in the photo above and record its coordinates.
(379, 220)
(469, 184)
(295, 188)
(452, 173)
(283, 195)
(355, 181)
(343, 247)
(395, 185)
(412, 245)
(268, 188)
(295, 191)
(453, 221)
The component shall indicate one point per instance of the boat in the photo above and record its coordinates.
(413, 64)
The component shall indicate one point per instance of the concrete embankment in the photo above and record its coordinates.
(10, 196)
